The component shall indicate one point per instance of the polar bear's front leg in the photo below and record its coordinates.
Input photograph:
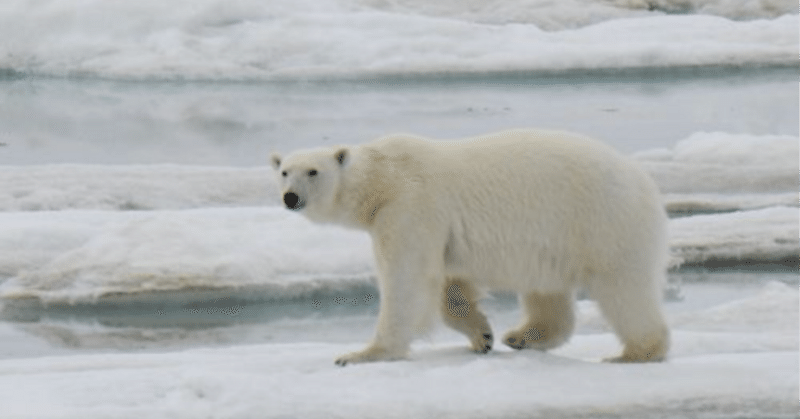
(402, 311)
(409, 281)
(393, 332)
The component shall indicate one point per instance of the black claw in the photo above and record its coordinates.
(487, 336)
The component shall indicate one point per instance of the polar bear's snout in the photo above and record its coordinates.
(293, 201)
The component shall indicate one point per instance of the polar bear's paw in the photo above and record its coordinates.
(648, 348)
(550, 321)
(482, 342)
(533, 337)
(517, 339)
(370, 354)
(487, 341)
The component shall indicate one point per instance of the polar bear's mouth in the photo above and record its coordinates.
(293, 202)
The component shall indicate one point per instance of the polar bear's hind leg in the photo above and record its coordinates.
(548, 323)
(633, 308)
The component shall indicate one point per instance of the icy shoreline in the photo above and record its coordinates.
(729, 358)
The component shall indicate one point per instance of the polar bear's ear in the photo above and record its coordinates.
(341, 156)
(275, 158)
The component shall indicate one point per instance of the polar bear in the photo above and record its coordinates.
(536, 212)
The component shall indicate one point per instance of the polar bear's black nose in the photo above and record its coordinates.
(290, 199)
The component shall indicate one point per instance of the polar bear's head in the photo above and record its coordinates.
(309, 181)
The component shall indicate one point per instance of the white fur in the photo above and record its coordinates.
(528, 211)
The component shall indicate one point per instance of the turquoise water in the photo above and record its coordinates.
(179, 320)
(215, 123)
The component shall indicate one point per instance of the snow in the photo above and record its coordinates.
(296, 381)
(288, 39)
(725, 163)
(94, 253)
(738, 357)
(773, 307)
(132, 187)
(765, 235)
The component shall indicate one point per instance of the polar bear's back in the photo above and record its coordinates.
(529, 208)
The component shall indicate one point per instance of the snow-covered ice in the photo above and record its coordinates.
(132, 187)
(289, 39)
(737, 358)
(94, 253)
(725, 163)
(766, 235)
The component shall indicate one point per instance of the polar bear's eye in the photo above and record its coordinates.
(283, 173)
(312, 172)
